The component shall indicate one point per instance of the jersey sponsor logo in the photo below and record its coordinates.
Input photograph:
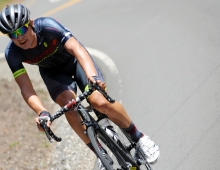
(19, 72)
(52, 49)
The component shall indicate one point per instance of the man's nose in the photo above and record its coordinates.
(20, 37)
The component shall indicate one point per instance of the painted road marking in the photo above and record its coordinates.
(98, 54)
(105, 58)
(109, 63)
(52, 1)
(2, 56)
(30, 3)
(66, 5)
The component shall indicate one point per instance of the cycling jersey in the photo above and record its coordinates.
(49, 52)
(57, 66)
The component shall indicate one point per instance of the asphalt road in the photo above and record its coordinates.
(168, 68)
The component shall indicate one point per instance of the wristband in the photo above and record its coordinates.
(95, 78)
(46, 114)
(98, 78)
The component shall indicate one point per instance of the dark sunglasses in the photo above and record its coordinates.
(20, 31)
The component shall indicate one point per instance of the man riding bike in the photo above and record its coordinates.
(64, 63)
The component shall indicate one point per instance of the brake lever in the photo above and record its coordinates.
(103, 93)
(43, 124)
(49, 132)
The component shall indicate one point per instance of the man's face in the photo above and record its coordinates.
(27, 40)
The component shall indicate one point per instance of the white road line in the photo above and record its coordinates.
(2, 56)
(95, 53)
(109, 63)
(52, 1)
(105, 59)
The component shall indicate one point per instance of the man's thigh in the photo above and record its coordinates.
(57, 82)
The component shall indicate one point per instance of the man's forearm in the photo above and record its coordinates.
(34, 102)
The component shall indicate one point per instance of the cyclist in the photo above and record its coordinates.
(64, 63)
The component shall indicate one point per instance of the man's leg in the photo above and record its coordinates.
(114, 111)
(71, 116)
(118, 115)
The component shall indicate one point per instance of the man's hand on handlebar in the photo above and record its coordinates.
(98, 81)
(44, 118)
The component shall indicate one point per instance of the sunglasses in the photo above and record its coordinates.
(20, 31)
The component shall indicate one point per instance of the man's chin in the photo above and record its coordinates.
(25, 46)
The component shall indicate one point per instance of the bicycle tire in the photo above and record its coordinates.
(126, 141)
(120, 152)
(92, 136)
(123, 159)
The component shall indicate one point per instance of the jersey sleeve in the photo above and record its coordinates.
(14, 60)
(53, 29)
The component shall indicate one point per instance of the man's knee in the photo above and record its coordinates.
(98, 101)
(64, 97)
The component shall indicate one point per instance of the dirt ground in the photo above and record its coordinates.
(22, 145)
(18, 132)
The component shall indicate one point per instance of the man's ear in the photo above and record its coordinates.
(32, 25)
(32, 22)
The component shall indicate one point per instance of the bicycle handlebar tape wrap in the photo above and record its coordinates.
(46, 114)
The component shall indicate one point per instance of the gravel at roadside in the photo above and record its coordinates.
(22, 146)
(71, 153)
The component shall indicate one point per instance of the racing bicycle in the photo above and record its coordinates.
(123, 153)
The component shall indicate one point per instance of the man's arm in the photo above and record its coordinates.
(29, 93)
(77, 50)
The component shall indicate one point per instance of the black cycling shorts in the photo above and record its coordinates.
(67, 77)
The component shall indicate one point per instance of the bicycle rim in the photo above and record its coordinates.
(120, 153)
(126, 141)
(93, 139)
(92, 136)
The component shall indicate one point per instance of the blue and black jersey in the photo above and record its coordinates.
(49, 52)
(58, 68)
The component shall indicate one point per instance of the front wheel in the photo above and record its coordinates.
(131, 146)
(93, 139)
(120, 157)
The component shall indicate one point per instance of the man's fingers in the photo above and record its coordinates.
(101, 84)
(37, 120)
(39, 124)
(48, 123)
(40, 128)
(91, 79)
